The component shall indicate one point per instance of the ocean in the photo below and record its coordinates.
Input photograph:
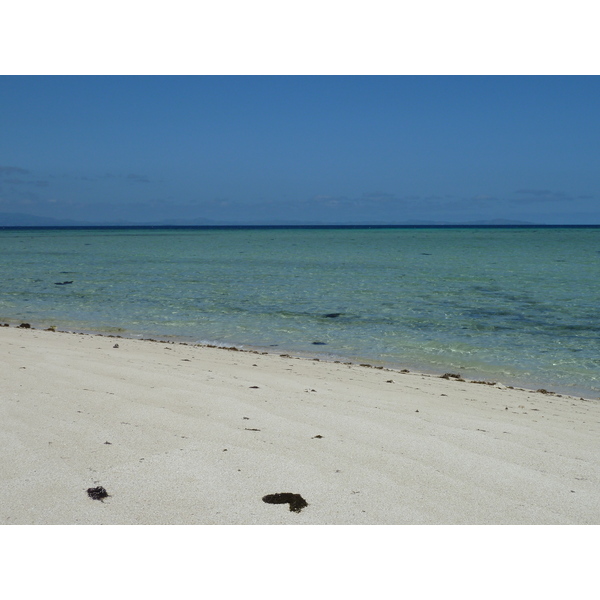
(516, 305)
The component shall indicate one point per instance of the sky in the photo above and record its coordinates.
(301, 149)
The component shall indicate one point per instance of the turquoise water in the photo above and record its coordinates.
(515, 305)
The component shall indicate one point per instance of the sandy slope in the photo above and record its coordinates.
(180, 435)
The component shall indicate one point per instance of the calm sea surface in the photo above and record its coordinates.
(516, 305)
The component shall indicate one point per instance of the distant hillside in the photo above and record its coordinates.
(502, 222)
(23, 220)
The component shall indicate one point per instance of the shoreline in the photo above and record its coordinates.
(187, 434)
(510, 382)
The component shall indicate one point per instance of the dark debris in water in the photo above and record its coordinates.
(296, 501)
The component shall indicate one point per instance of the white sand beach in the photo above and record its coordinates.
(182, 434)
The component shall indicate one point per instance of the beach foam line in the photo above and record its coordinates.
(177, 433)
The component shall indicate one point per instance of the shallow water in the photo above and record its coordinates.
(516, 305)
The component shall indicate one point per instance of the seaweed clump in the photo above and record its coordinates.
(97, 493)
(454, 376)
(296, 501)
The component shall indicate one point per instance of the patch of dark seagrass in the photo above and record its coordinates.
(97, 493)
(296, 501)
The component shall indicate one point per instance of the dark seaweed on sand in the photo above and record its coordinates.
(97, 493)
(296, 501)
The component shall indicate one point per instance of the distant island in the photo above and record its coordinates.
(25, 220)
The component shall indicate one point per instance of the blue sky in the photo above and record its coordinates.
(298, 149)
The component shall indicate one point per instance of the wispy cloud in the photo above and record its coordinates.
(36, 183)
(130, 177)
(17, 176)
(378, 197)
(381, 200)
(22, 198)
(484, 197)
(11, 171)
(137, 178)
(533, 195)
